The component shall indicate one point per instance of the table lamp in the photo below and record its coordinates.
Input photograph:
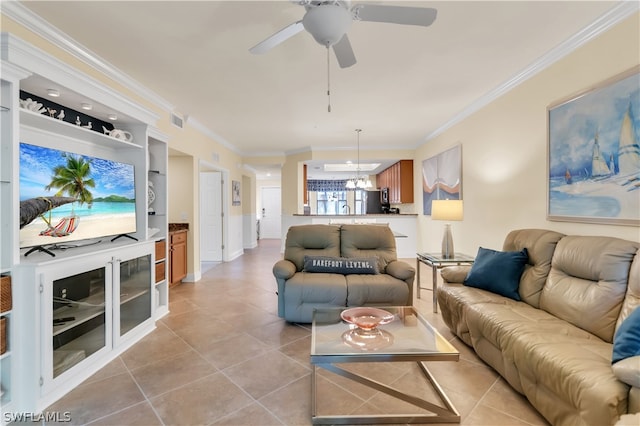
(448, 210)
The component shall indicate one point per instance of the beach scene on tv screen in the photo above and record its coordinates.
(67, 197)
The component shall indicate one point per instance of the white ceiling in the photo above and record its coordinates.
(408, 82)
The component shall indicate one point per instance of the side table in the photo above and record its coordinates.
(436, 261)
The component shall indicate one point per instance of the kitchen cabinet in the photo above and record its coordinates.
(399, 179)
(178, 257)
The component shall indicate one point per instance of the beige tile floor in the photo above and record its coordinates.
(223, 357)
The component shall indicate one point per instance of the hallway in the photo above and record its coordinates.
(222, 356)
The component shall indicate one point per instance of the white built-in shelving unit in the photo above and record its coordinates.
(62, 344)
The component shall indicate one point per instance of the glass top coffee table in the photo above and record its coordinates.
(406, 337)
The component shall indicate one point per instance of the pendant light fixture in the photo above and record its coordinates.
(358, 182)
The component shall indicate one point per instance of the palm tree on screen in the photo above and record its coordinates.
(73, 179)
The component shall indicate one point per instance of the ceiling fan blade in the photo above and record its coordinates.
(277, 38)
(422, 16)
(344, 52)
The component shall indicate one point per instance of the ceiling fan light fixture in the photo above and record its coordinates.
(327, 23)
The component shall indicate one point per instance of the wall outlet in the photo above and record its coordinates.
(184, 216)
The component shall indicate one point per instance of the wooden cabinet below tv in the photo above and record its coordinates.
(177, 257)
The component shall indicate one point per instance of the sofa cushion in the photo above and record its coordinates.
(381, 289)
(626, 370)
(588, 281)
(563, 370)
(540, 244)
(341, 265)
(568, 378)
(312, 240)
(305, 292)
(454, 300)
(497, 272)
(368, 241)
(632, 298)
(626, 341)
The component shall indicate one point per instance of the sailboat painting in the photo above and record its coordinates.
(594, 154)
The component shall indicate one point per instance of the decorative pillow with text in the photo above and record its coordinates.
(341, 265)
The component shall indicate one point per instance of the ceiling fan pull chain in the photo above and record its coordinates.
(328, 81)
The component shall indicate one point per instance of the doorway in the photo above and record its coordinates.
(211, 227)
(271, 213)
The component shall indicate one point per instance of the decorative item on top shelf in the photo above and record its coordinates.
(31, 105)
(118, 134)
(40, 105)
(5, 293)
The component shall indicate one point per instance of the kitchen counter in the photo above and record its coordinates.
(403, 225)
(376, 215)
(176, 227)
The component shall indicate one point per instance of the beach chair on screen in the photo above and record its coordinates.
(65, 227)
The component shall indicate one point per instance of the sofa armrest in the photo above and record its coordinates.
(628, 370)
(400, 270)
(284, 269)
(405, 272)
(455, 274)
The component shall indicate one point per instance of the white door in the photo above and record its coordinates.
(211, 217)
(271, 214)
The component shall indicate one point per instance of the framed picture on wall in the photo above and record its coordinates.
(441, 177)
(593, 167)
(235, 192)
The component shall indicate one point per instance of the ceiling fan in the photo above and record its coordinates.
(328, 21)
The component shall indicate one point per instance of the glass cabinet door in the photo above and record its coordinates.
(78, 318)
(135, 292)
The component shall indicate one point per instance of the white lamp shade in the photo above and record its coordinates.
(446, 210)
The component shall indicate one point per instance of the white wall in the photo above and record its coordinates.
(504, 149)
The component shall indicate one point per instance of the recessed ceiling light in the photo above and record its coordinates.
(86, 106)
(53, 93)
(112, 117)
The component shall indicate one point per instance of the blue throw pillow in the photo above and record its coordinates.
(626, 341)
(498, 272)
(341, 265)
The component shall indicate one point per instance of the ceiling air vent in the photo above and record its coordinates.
(176, 121)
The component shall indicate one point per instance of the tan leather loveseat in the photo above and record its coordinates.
(388, 283)
(555, 345)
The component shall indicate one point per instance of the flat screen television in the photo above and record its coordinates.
(66, 198)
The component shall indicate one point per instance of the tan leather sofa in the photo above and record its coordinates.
(300, 291)
(555, 346)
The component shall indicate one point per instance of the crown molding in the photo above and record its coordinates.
(610, 19)
(18, 52)
(155, 133)
(42, 28)
(11, 72)
(193, 122)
